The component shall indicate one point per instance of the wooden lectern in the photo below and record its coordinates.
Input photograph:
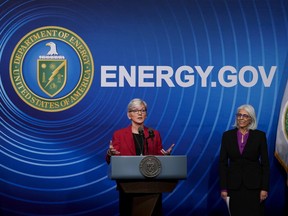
(141, 180)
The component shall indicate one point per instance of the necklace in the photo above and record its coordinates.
(242, 138)
(243, 135)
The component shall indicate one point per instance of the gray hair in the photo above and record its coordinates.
(136, 102)
(251, 112)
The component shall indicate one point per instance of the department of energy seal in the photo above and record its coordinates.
(51, 69)
(150, 166)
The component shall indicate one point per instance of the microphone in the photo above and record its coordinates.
(145, 139)
(151, 136)
(141, 131)
(151, 133)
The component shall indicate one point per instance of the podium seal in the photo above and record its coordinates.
(150, 166)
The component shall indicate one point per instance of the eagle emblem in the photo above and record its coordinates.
(53, 50)
(52, 71)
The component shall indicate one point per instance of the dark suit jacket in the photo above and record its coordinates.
(251, 168)
(123, 142)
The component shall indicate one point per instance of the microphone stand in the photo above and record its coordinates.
(141, 132)
(146, 142)
(151, 136)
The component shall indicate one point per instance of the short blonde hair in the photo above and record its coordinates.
(136, 102)
(251, 112)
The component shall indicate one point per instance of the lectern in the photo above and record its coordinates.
(141, 180)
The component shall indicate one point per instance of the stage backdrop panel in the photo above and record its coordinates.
(69, 69)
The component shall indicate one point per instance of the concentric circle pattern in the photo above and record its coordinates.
(195, 62)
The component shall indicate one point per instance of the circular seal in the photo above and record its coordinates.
(150, 166)
(51, 69)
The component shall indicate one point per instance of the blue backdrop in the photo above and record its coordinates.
(214, 56)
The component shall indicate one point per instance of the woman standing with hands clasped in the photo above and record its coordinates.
(244, 165)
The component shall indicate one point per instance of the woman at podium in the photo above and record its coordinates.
(136, 139)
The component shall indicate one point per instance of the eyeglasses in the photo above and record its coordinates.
(244, 116)
(138, 111)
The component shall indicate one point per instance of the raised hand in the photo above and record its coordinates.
(112, 151)
(168, 151)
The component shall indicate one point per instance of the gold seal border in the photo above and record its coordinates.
(29, 97)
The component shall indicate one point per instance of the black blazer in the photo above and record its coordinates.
(251, 168)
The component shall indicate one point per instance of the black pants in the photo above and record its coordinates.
(246, 202)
